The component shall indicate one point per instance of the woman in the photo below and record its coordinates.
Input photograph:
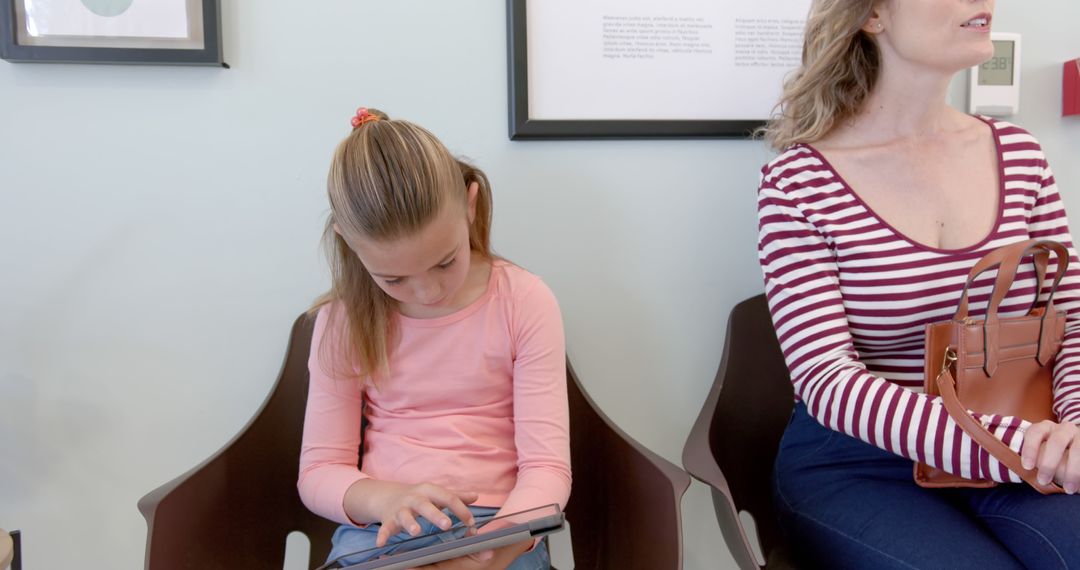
(882, 199)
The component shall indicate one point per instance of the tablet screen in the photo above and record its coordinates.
(488, 533)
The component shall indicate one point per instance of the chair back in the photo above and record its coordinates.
(624, 510)
(238, 507)
(733, 444)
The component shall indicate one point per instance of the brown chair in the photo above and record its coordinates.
(10, 555)
(624, 510)
(733, 442)
(236, 509)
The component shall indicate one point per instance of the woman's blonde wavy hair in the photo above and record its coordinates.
(387, 179)
(840, 65)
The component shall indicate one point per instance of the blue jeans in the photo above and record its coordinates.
(349, 539)
(847, 504)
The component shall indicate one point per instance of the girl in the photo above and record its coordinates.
(881, 201)
(453, 357)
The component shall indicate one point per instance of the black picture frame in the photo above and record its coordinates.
(210, 54)
(522, 127)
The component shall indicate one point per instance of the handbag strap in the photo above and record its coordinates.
(1007, 259)
(988, 441)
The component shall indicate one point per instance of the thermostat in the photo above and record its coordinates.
(994, 87)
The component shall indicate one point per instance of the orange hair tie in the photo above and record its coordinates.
(363, 116)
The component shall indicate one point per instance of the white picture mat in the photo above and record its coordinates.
(143, 19)
(194, 40)
(660, 59)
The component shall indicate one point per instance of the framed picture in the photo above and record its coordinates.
(165, 32)
(649, 68)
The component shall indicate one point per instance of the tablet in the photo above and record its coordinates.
(459, 540)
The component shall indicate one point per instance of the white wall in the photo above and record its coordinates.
(159, 226)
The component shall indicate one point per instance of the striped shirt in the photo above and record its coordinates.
(850, 297)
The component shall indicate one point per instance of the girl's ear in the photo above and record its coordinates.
(473, 191)
(337, 230)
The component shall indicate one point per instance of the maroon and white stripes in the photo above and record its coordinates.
(850, 297)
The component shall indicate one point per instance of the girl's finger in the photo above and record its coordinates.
(388, 528)
(483, 555)
(460, 509)
(432, 513)
(408, 522)
(446, 498)
(467, 497)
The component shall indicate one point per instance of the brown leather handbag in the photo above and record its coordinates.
(997, 365)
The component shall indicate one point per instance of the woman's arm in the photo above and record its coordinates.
(802, 286)
(1054, 447)
(1048, 221)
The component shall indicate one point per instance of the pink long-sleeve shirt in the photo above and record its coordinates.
(850, 297)
(475, 401)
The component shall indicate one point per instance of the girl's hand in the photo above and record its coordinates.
(1046, 446)
(497, 559)
(397, 505)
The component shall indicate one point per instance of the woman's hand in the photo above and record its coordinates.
(397, 505)
(497, 559)
(1047, 446)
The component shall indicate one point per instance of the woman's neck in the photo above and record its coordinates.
(907, 104)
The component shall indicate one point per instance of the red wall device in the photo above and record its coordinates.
(1070, 103)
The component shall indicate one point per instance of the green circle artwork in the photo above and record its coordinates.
(107, 8)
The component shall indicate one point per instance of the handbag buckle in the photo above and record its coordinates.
(948, 360)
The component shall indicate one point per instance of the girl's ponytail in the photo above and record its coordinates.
(480, 232)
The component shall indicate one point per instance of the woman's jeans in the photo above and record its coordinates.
(349, 539)
(847, 504)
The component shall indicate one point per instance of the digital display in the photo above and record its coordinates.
(999, 70)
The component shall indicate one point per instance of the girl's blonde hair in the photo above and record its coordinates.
(840, 65)
(387, 180)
